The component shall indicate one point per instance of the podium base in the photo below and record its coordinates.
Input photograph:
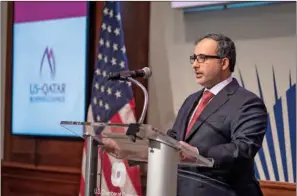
(162, 169)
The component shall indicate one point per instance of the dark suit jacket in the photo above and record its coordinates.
(230, 130)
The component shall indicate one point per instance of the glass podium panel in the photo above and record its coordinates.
(131, 140)
(115, 177)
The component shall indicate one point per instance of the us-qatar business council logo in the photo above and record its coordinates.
(47, 89)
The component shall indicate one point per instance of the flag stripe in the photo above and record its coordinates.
(107, 165)
(291, 105)
(133, 173)
(259, 168)
(287, 141)
(127, 113)
(281, 137)
(133, 186)
(129, 188)
(124, 117)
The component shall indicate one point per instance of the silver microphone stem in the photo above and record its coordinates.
(145, 104)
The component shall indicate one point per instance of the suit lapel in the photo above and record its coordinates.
(218, 101)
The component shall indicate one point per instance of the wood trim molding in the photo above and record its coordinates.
(270, 188)
(16, 165)
(278, 185)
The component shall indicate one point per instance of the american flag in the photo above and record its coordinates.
(112, 101)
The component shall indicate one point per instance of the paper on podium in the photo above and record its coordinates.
(131, 140)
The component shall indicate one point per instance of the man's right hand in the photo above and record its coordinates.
(110, 146)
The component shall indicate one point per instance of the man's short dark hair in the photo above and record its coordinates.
(226, 47)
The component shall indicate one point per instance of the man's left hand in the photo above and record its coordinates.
(186, 156)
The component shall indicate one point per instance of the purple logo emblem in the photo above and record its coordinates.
(49, 55)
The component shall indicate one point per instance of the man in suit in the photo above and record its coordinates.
(223, 121)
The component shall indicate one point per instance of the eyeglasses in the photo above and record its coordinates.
(201, 58)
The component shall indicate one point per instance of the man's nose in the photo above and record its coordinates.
(195, 64)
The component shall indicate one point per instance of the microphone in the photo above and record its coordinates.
(140, 73)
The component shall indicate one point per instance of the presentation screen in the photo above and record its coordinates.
(49, 66)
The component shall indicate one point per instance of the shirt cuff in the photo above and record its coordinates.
(197, 150)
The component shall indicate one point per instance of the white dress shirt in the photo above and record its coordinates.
(214, 90)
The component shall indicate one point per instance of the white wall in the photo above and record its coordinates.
(3, 25)
(264, 36)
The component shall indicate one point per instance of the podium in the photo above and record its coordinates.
(137, 143)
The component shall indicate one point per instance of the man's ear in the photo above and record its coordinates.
(225, 62)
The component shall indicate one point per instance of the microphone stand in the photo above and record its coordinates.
(145, 93)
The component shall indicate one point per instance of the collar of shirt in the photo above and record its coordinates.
(215, 90)
(218, 87)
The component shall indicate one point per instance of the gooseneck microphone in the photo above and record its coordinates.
(140, 73)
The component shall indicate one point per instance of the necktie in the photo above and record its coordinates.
(207, 95)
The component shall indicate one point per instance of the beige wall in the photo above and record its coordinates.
(264, 36)
(3, 25)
